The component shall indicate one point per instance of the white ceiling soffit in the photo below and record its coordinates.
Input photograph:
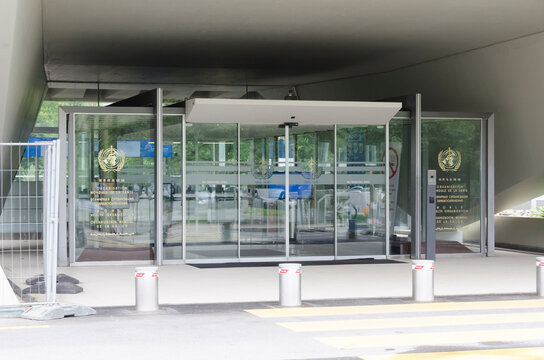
(246, 111)
(279, 42)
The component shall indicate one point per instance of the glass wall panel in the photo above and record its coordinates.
(311, 191)
(453, 148)
(172, 187)
(360, 190)
(400, 207)
(262, 191)
(115, 187)
(212, 190)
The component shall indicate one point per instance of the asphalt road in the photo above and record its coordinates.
(484, 327)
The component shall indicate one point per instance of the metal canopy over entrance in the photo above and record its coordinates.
(254, 180)
(245, 111)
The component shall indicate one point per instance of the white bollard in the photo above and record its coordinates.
(423, 280)
(290, 284)
(540, 276)
(147, 288)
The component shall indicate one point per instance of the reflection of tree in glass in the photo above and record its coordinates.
(49, 112)
(204, 141)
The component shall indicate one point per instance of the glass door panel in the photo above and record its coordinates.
(311, 191)
(172, 187)
(114, 187)
(360, 190)
(400, 206)
(211, 191)
(453, 148)
(262, 191)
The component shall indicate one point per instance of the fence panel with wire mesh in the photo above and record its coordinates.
(29, 207)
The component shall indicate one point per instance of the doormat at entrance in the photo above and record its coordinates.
(116, 254)
(316, 262)
(218, 253)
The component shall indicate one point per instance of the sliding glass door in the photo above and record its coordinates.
(263, 191)
(361, 190)
(211, 152)
(311, 190)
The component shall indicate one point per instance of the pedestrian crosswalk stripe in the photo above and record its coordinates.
(433, 338)
(23, 327)
(413, 322)
(395, 308)
(536, 353)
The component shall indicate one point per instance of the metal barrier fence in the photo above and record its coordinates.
(29, 206)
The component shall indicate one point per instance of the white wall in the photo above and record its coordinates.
(507, 79)
(522, 233)
(22, 77)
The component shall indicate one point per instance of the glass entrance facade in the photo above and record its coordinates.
(255, 192)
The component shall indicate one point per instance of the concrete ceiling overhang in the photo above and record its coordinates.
(266, 42)
(288, 111)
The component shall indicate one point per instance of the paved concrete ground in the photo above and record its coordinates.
(481, 327)
(505, 273)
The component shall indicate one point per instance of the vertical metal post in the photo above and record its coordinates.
(335, 192)
(158, 178)
(28, 205)
(54, 217)
(387, 220)
(63, 250)
(430, 232)
(239, 193)
(37, 207)
(184, 187)
(287, 219)
(483, 186)
(2, 202)
(72, 186)
(50, 218)
(416, 177)
(19, 208)
(11, 176)
(490, 153)
(48, 238)
(45, 222)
